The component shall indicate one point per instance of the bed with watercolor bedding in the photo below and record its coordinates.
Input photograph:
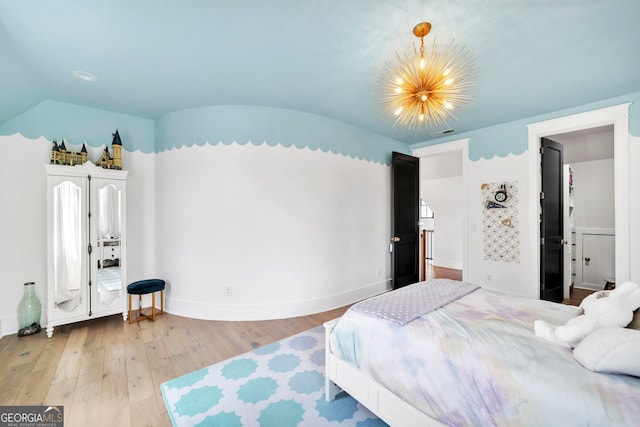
(476, 361)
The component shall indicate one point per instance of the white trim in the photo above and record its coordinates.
(279, 310)
(618, 116)
(87, 168)
(451, 147)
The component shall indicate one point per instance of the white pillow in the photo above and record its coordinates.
(610, 350)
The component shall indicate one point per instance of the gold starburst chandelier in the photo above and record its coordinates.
(424, 90)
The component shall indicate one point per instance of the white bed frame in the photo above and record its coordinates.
(339, 375)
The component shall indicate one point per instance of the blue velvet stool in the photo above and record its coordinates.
(144, 287)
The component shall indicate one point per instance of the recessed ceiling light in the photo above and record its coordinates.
(84, 75)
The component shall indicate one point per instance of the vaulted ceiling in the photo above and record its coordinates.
(152, 57)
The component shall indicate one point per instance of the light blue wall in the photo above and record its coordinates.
(199, 126)
(78, 124)
(259, 125)
(512, 137)
(272, 126)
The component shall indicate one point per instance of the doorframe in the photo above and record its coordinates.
(459, 145)
(618, 116)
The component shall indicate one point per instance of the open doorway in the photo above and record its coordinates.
(617, 119)
(443, 188)
(589, 213)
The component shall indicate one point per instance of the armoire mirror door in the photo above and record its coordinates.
(69, 247)
(109, 259)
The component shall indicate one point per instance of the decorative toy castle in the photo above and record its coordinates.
(60, 155)
(108, 161)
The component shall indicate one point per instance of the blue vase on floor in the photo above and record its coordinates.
(29, 309)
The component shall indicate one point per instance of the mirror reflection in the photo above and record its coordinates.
(67, 246)
(109, 243)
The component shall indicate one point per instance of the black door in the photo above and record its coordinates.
(551, 229)
(405, 213)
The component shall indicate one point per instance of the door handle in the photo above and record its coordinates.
(395, 239)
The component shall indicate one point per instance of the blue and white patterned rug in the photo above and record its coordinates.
(279, 385)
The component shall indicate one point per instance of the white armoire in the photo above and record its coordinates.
(86, 244)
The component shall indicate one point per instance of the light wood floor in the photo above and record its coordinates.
(106, 372)
(577, 296)
(432, 272)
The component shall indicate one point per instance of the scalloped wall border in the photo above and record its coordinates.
(78, 124)
(256, 125)
(199, 126)
(512, 137)
(266, 125)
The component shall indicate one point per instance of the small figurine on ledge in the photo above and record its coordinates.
(60, 155)
(112, 162)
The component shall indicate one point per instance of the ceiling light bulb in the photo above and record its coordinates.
(422, 63)
(423, 97)
(398, 111)
(399, 81)
(398, 90)
(448, 82)
(421, 117)
(446, 72)
(448, 106)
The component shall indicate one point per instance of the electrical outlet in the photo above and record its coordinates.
(488, 278)
(228, 291)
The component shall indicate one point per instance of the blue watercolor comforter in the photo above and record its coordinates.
(477, 362)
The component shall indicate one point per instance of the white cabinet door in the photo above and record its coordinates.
(67, 296)
(108, 290)
(598, 259)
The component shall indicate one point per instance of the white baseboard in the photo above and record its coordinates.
(280, 310)
(589, 287)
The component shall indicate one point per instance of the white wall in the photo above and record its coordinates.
(441, 187)
(288, 230)
(23, 247)
(442, 165)
(445, 197)
(586, 145)
(497, 275)
(594, 196)
(23, 251)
